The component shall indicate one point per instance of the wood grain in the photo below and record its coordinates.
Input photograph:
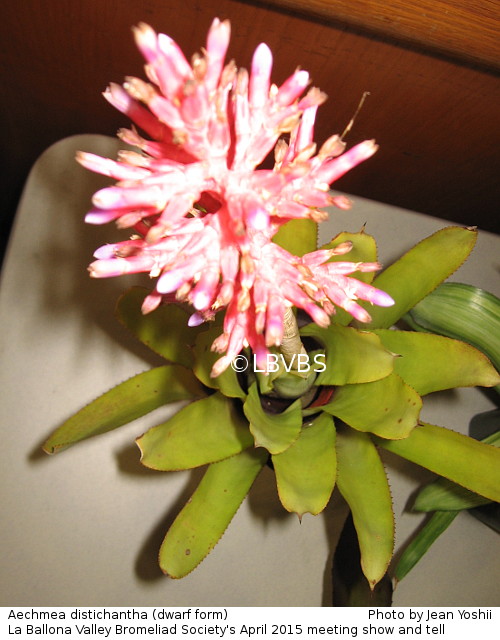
(466, 29)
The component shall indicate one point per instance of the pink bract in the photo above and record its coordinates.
(203, 215)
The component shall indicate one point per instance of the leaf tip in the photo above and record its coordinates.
(52, 449)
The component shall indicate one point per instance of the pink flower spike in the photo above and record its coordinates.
(101, 216)
(173, 279)
(291, 89)
(316, 258)
(260, 77)
(306, 128)
(195, 320)
(120, 249)
(356, 311)
(217, 44)
(203, 212)
(382, 299)
(121, 100)
(342, 202)
(117, 197)
(258, 219)
(220, 366)
(204, 292)
(116, 95)
(146, 41)
(332, 147)
(319, 316)
(342, 248)
(170, 281)
(376, 296)
(120, 266)
(110, 168)
(337, 167)
(313, 97)
(366, 267)
(151, 302)
(176, 59)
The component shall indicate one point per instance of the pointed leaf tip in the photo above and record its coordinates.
(362, 482)
(205, 431)
(207, 514)
(306, 471)
(424, 267)
(275, 432)
(127, 401)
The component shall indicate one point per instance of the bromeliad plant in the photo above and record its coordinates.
(237, 245)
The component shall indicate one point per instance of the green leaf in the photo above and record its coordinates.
(164, 330)
(352, 356)
(444, 495)
(464, 312)
(420, 271)
(471, 464)
(298, 237)
(350, 586)
(227, 382)
(292, 385)
(205, 431)
(126, 402)
(205, 517)
(364, 249)
(419, 546)
(275, 432)
(306, 471)
(447, 496)
(431, 363)
(387, 407)
(362, 481)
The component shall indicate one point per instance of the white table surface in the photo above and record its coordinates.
(83, 527)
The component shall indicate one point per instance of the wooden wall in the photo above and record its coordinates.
(433, 108)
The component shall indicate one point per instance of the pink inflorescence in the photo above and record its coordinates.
(202, 215)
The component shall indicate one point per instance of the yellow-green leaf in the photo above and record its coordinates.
(386, 407)
(420, 271)
(227, 382)
(444, 495)
(126, 402)
(164, 330)
(208, 512)
(205, 431)
(273, 431)
(431, 363)
(471, 464)
(362, 481)
(352, 356)
(306, 471)
(298, 237)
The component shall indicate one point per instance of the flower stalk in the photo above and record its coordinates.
(291, 344)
